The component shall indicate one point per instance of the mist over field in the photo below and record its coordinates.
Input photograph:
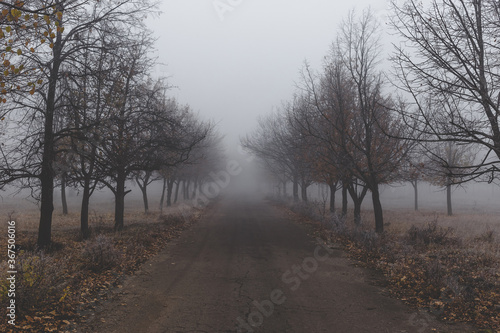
(244, 166)
(473, 198)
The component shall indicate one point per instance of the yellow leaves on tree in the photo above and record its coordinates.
(24, 33)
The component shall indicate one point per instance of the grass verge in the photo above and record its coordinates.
(429, 266)
(57, 287)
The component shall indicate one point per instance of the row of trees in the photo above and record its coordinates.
(339, 128)
(81, 107)
(345, 129)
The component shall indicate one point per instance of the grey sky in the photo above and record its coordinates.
(233, 65)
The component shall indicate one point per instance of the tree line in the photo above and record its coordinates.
(434, 116)
(80, 107)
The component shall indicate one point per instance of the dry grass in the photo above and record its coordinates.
(447, 265)
(465, 225)
(56, 287)
(101, 213)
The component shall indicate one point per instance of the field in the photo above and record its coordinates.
(60, 287)
(445, 265)
(25, 210)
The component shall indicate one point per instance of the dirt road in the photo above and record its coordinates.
(245, 267)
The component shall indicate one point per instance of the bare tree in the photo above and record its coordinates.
(449, 59)
(64, 22)
(86, 104)
(331, 99)
(446, 163)
(375, 154)
(154, 94)
(281, 146)
(143, 131)
(413, 171)
(192, 153)
(132, 124)
(352, 118)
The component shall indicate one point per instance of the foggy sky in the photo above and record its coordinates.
(233, 67)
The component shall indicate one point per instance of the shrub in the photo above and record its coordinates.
(40, 280)
(4, 284)
(173, 219)
(100, 254)
(488, 236)
(368, 240)
(429, 234)
(309, 210)
(337, 224)
(97, 224)
(435, 274)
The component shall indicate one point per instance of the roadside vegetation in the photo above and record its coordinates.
(61, 286)
(442, 270)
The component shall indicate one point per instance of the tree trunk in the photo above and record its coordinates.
(84, 212)
(163, 194)
(303, 191)
(357, 200)
(145, 198)
(284, 189)
(333, 190)
(195, 186)
(344, 199)
(46, 203)
(177, 191)
(143, 185)
(377, 210)
(185, 189)
(48, 154)
(120, 201)
(415, 189)
(63, 194)
(295, 189)
(357, 212)
(448, 199)
(170, 186)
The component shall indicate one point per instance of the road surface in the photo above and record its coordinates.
(246, 267)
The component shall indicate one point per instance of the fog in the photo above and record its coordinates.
(235, 67)
(234, 64)
(252, 183)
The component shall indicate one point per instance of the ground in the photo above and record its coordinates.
(247, 267)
